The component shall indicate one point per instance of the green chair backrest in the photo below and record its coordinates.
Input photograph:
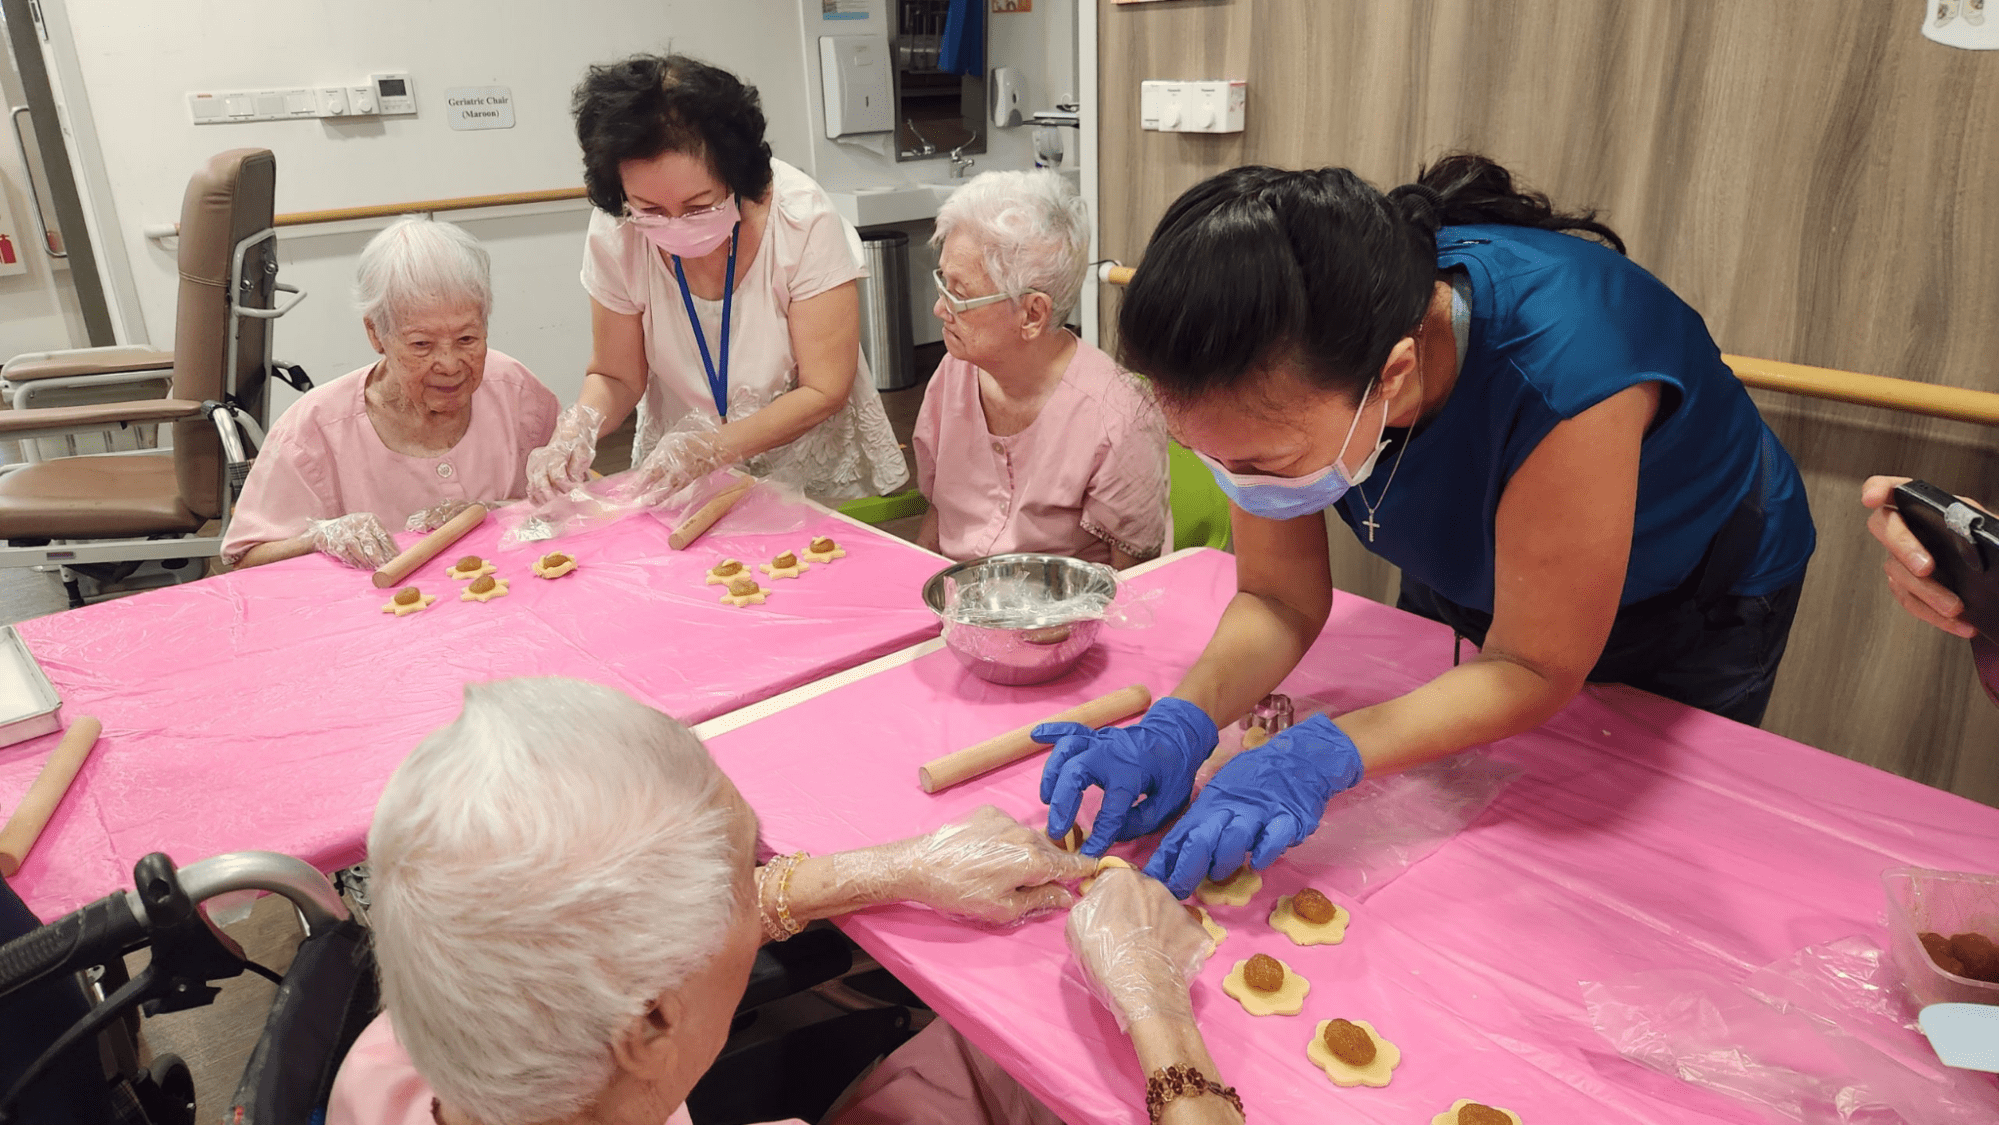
(880, 510)
(1200, 508)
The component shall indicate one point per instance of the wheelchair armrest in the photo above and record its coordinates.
(784, 968)
(72, 362)
(48, 422)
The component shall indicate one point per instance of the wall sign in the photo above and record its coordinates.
(479, 107)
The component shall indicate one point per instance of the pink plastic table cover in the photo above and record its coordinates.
(1644, 834)
(265, 709)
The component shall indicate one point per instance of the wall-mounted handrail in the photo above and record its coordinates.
(390, 210)
(1960, 404)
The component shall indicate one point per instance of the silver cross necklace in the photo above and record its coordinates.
(1371, 524)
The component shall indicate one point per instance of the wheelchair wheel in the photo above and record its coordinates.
(166, 1090)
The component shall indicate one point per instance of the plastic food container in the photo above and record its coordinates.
(1947, 903)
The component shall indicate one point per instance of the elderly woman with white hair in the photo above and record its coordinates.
(599, 984)
(438, 422)
(1031, 439)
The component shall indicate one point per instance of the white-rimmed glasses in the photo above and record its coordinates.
(644, 219)
(961, 305)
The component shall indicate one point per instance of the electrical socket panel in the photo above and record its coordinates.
(1208, 106)
(382, 95)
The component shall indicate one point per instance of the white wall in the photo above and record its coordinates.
(38, 309)
(139, 58)
(134, 61)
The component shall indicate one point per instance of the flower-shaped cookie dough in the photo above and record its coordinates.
(1337, 1044)
(408, 600)
(470, 567)
(1255, 737)
(822, 549)
(726, 571)
(1234, 891)
(744, 591)
(1266, 987)
(1465, 1112)
(785, 566)
(554, 565)
(1310, 919)
(1104, 864)
(1216, 932)
(485, 588)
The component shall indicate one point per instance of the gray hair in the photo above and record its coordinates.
(1033, 230)
(544, 867)
(417, 263)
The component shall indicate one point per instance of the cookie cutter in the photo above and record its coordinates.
(1272, 713)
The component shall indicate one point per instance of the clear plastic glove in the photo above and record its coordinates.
(1156, 757)
(681, 458)
(439, 514)
(356, 539)
(1138, 947)
(1261, 803)
(564, 463)
(986, 867)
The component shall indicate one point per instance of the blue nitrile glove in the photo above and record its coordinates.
(1259, 804)
(1156, 756)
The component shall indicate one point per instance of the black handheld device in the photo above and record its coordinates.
(1964, 541)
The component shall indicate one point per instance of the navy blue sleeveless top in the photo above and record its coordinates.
(1558, 325)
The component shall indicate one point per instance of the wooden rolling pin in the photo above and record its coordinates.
(426, 549)
(704, 518)
(39, 804)
(943, 773)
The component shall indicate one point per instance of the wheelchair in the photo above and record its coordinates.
(67, 1005)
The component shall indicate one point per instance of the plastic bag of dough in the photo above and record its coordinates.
(1803, 1039)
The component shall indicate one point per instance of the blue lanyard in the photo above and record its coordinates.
(718, 381)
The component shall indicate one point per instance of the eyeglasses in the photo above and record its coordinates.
(959, 305)
(645, 219)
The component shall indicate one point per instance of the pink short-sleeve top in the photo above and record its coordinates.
(323, 458)
(1088, 473)
(378, 1083)
(807, 250)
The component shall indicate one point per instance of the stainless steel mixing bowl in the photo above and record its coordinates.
(1033, 645)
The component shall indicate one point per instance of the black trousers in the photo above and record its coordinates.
(1718, 654)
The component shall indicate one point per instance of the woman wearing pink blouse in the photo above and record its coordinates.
(440, 421)
(1029, 438)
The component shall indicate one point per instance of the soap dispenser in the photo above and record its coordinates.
(1007, 89)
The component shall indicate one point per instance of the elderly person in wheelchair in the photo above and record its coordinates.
(567, 906)
(438, 422)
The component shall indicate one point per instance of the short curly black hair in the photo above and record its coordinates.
(638, 108)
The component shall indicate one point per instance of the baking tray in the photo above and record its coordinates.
(29, 705)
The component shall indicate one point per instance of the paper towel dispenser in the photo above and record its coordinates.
(860, 90)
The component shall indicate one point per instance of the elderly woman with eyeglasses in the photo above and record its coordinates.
(438, 422)
(1031, 439)
(724, 303)
(567, 904)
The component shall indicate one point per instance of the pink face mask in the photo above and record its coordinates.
(692, 235)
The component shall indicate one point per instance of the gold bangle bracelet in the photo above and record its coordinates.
(785, 922)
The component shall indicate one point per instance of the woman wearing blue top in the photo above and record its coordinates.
(1537, 431)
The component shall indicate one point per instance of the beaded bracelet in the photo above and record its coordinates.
(1169, 1083)
(778, 924)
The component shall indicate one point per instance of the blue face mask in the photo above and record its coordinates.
(1287, 498)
